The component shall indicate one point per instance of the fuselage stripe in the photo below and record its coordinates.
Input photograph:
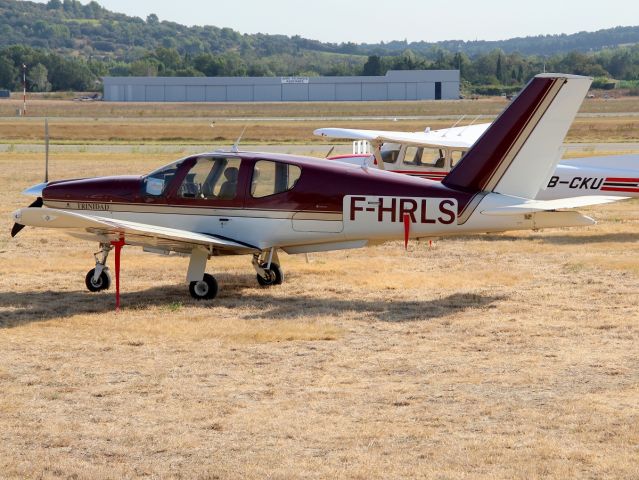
(620, 189)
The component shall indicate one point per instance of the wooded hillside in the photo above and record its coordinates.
(68, 46)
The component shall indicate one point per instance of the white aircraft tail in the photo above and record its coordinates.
(518, 153)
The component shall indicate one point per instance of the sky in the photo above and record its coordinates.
(370, 21)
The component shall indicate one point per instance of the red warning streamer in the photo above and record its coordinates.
(118, 248)
(406, 230)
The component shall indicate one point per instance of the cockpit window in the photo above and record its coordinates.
(424, 156)
(157, 182)
(390, 152)
(211, 178)
(270, 178)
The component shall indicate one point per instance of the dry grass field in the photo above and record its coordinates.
(484, 106)
(501, 356)
(189, 130)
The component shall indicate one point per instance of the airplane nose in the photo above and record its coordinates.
(35, 190)
(17, 215)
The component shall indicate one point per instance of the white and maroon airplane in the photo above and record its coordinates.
(235, 203)
(433, 153)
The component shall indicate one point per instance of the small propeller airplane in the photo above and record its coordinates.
(244, 203)
(433, 153)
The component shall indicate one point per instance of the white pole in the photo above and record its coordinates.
(24, 89)
(46, 150)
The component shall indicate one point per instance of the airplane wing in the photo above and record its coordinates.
(457, 137)
(105, 230)
(532, 206)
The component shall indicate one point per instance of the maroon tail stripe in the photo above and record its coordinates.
(620, 179)
(474, 171)
(620, 189)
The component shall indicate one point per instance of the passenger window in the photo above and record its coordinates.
(425, 157)
(211, 178)
(270, 178)
(456, 156)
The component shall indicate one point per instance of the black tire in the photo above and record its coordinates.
(275, 276)
(103, 282)
(206, 289)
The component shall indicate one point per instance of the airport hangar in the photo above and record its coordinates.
(395, 85)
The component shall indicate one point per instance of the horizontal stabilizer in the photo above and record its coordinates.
(532, 206)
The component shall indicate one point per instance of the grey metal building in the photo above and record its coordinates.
(395, 85)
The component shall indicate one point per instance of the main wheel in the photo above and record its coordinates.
(205, 289)
(102, 283)
(274, 276)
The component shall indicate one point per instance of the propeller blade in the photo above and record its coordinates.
(37, 203)
(17, 227)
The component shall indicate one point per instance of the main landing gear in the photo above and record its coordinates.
(205, 289)
(99, 278)
(268, 269)
(265, 264)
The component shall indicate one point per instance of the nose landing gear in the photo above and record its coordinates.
(99, 278)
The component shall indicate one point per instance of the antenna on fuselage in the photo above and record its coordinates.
(469, 125)
(235, 147)
(329, 152)
(456, 123)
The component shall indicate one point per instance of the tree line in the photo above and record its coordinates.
(69, 27)
(491, 73)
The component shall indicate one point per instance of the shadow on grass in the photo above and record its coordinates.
(20, 308)
(560, 239)
(384, 310)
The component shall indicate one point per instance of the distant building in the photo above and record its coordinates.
(395, 85)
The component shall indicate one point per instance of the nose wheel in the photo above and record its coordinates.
(99, 278)
(97, 283)
(205, 289)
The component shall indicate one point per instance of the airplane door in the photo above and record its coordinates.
(211, 195)
(212, 182)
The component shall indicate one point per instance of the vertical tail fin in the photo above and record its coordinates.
(521, 149)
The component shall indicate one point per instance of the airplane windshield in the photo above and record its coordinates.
(157, 181)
